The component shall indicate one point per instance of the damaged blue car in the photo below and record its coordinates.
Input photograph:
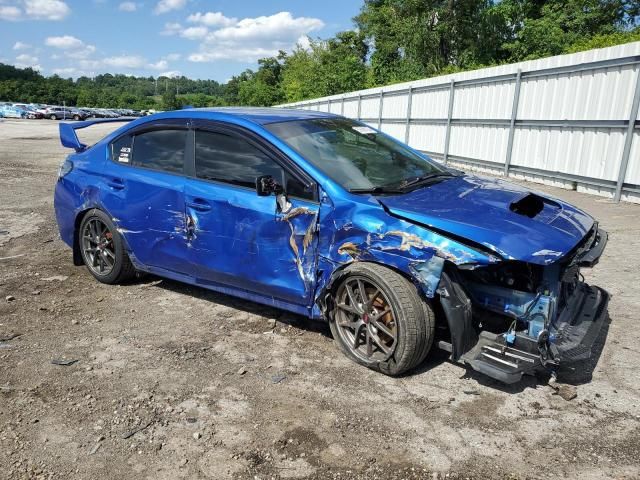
(326, 217)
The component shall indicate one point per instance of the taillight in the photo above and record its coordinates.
(65, 167)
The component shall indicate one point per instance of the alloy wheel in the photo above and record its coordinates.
(365, 319)
(97, 247)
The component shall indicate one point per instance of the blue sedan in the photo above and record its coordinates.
(329, 218)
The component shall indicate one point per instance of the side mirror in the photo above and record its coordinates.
(266, 186)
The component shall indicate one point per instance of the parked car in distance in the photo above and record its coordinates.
(31, 110)
(11, 111)
(78, 114)
(329, 218)
(56, 113)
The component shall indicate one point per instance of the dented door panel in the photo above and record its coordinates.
(243, 241)
(147, 208)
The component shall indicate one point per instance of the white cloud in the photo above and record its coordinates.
(171, 74)
(124, 61)
(68, 71)
(252, 38)
(84, 52)
(10, 12)
(15, 10)
(64, 42)
(304, 42)
(211, 19)
(281, 26)
(194, 33)
(26, 58)
(128, 7)
(159, 65)
(171, 29)
(46, 9)
(73, 47)
(172, 57)
(164, 6)
(21, 46)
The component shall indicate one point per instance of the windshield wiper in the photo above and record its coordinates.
(377, 190)
(425, 178)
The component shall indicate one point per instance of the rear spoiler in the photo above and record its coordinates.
(68, 136)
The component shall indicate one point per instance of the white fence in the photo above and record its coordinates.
(570, 120)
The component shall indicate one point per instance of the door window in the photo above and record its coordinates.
(231, 159)
(160, 150)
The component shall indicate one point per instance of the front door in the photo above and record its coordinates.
(243, 240)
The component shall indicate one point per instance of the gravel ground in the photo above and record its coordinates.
(172, 381)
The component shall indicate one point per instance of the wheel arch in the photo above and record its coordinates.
(324, 298)
(80, 214)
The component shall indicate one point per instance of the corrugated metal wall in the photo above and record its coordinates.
(564, 120)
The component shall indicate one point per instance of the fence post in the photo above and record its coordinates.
(380, 110)
(408, 124)
(447, 137)
(359, 106)
(329, 106)
(512, 124)
(342, 107)
(628, 140)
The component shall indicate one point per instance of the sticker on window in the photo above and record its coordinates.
(125, 154)
(364, 130)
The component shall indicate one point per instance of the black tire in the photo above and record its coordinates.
(76, 117)
(122, 269)
(413, 320)
(53, 117)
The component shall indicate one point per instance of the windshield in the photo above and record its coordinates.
(353, 154)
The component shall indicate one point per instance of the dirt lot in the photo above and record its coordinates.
(172, 381)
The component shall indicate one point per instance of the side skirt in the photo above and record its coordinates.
(234, 292)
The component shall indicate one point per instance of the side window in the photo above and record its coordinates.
(295, 188)
(121, 149)
(160, 150)
(231, 159)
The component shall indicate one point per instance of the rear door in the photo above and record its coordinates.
(144, 193)
(243, 240)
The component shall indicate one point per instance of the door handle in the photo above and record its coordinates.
(116, 183)
(199, 204)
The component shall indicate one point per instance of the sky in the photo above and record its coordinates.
(206, 39)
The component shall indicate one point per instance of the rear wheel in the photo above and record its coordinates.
(53, 117)
(76, 117)
(103, 250)
(380, 321)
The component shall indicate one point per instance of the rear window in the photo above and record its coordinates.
(121, 149)
(160, 150)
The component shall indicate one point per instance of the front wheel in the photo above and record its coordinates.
(379, 320)
(103, 250)
(53, 117)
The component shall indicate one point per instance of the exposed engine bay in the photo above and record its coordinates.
(522, 317)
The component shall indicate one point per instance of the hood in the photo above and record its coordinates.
(510, 220)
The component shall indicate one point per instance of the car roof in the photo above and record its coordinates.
(261, 116)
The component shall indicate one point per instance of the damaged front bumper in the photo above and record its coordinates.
(574, 316)
(572, 340)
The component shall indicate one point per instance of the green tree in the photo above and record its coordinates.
(536, 29)
(169, 100)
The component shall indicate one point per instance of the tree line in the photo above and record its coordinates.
(394, 41)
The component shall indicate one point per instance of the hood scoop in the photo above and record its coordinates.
(530, 205)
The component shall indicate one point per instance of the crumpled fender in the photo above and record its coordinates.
(355, 232)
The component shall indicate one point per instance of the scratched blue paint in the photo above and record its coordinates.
(245, 246)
